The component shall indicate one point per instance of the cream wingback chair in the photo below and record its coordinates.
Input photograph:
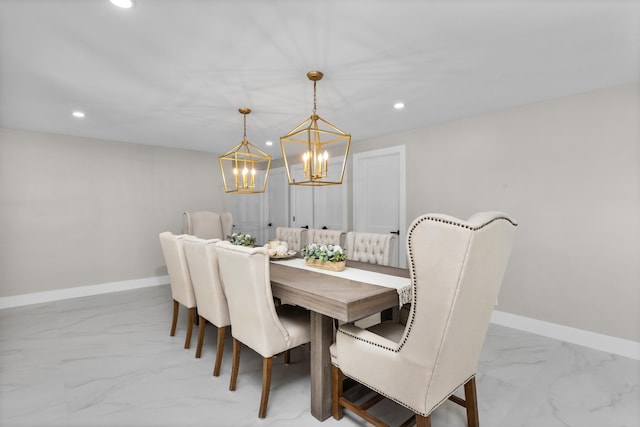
(296, 238)
(256, 322)
(456, 270)
(325, 236)
(207, 224)
(212, 303)
(180, 279)
(369, 247)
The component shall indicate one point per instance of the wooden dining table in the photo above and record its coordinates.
(328, 297)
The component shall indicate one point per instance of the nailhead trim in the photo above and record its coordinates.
(412, 267)
(414, 410)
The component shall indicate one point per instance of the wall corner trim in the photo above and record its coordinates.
(81, 291)
(609, 344)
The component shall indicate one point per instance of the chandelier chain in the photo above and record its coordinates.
(314, 97)
(244, 137)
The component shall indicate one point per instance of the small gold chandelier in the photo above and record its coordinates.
(307, 143)
(245, 166)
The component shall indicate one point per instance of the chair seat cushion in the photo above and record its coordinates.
(297, 323)
(389, 329)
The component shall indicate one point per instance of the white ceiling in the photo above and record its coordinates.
(174, 72)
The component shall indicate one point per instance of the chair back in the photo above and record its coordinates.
(207, 224)
(176, 261)
(247, 284)
(328, 237)
(456, 271)
(205, 277)
(369, 247)
(296, 238)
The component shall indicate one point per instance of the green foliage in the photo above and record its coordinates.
(242, 239)
(331, 253)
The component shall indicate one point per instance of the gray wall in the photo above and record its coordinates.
(77, 211)
(569, 171)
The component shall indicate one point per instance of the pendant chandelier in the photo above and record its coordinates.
(245, 168)
(309, 145)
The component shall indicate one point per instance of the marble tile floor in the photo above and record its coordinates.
(108, 360)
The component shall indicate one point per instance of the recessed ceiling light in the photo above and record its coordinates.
(78, 114)
(125, 4)
(269, 143)
(398, 105)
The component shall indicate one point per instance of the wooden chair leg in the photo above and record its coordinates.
(236, 364)
(287, 357)
(219, 351)
(423, 421)
(192, 316)
(202, 324)
(471, 398)
(266, 386)
(174, 322)
(336, 392)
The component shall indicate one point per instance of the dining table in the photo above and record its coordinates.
(328, 297)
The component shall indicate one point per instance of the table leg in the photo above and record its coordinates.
(321, 339)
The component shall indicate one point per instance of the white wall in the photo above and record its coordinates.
(77, 211)
(569, 171)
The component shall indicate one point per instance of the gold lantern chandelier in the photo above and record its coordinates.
(245, 168)
(309, 145)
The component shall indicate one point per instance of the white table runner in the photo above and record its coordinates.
(401, 284)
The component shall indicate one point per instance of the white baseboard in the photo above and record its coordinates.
(81, 291)
(581, 337)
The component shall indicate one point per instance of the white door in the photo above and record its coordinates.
(301, 202)
(379, 196)
(248, 217)
(330, 203)
(278, 201)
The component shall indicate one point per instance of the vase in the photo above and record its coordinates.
(326, 265)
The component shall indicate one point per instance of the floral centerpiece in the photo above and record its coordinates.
(241, 239)
(328, 257)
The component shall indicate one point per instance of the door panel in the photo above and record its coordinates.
(328, 207)
(330, 203)
(278, 201)
(248, 215)
(301, 207)
(379, 196)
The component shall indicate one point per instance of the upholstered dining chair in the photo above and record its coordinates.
(456, 270)
(326, 236)
(212, 302)
(296, 238)
(180, 279)
(373, 248)
(207, 224)
(256, 321)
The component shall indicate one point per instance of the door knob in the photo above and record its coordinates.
(395, 232)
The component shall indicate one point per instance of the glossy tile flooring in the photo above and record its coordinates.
(108, 360)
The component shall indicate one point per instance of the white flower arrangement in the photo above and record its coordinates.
(323, 252)
(241, 239)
